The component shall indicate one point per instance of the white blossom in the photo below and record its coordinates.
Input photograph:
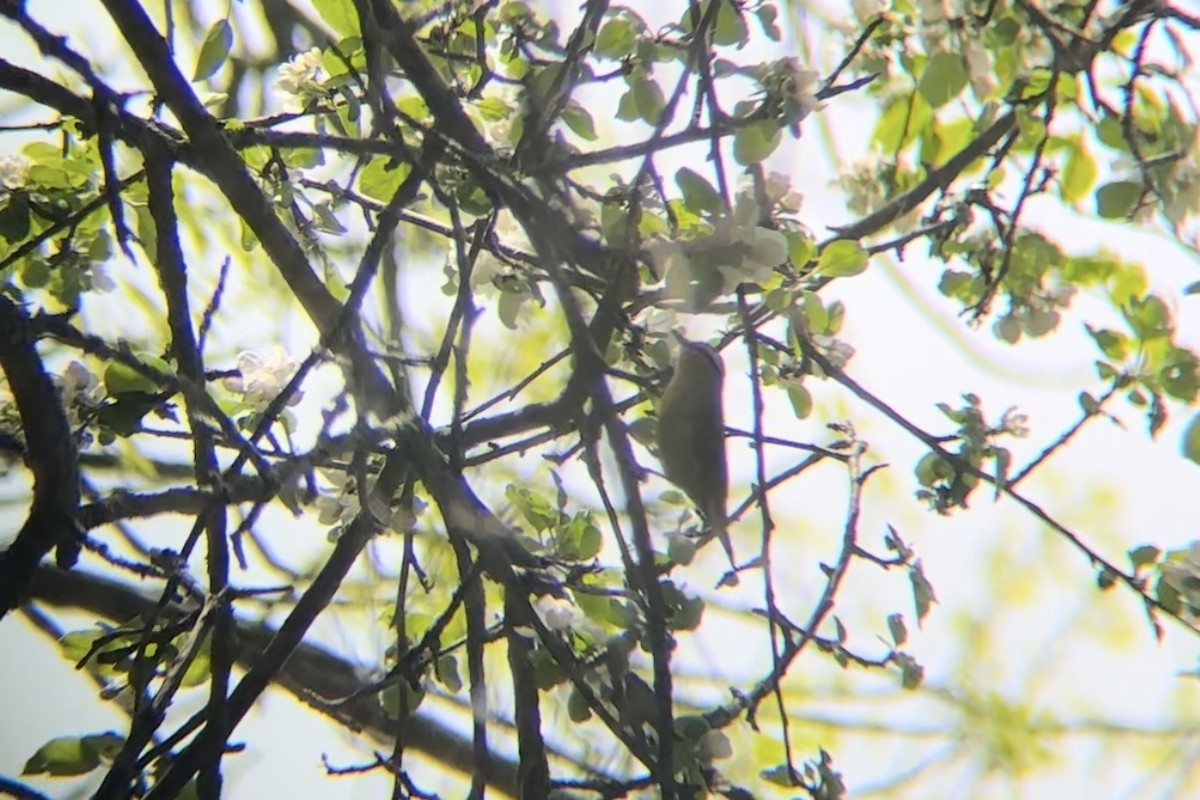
(77, 383)
(715, 745)
(800, 84)
(779, 190)
(762, 249)
(302, 79)
(979, 68)
(263, 376)
(14, 171)
(864, 185)
(558, 613)
(867, 9)
(80, 391)
(836, 352)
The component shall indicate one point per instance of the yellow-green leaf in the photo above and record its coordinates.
(214, 50)
(1191, 440)
(842, 259)
(944, 77)
(1078, 175)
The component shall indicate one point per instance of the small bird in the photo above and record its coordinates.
(691, 434)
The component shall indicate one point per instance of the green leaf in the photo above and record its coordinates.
(896, 628)
(578, 710)
(1148, 316)
(627, 110)
(537, 510)
(602, 610)
(381, 178)
(508, 308)
(14, 217)
(922, 589)
(580, 540)
(214, 50)
(842, 258)
(339, 15)
(944, 77)
(800, 398)
(1078, 175)
(445, 670)
(1191, 440)
(801, 248)
(815, 313)
(121, 379)
(1118, 200)
(730, 28)
(1144, 556)
(579, 120)
(124, 415)
(911, 673)
(649, 100)
(1113, 344)
(1112, 134)
(754, 143)
(698, 193)
(617, 38)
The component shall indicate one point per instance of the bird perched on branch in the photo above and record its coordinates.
(691, 434)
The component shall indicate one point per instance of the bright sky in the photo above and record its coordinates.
(1054, 639)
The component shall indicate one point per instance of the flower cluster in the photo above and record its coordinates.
(263, 376)
(736, 250)
(14, 171)
(302, 79)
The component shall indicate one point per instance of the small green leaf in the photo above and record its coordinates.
(580, 540)
(801, 248)
(577, 708)
(1078, 175)
(579, 120)
(445, 670)
(698, 193)
(912, 674)
(649, 100)
(730, 28)
(1112, 134)
(627, 110)
(842, 258)
(537, 510)
(754, 143)
(1191, 440)
(897, 629)
(121, 379)
(800, 398)
(381, 177)
(339, 15)
(922, 589)
(944, 77)
(214, 50)
(816, 313)
(1114, 344)
(616, 39)
(1118, 200)
(1144, 556)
